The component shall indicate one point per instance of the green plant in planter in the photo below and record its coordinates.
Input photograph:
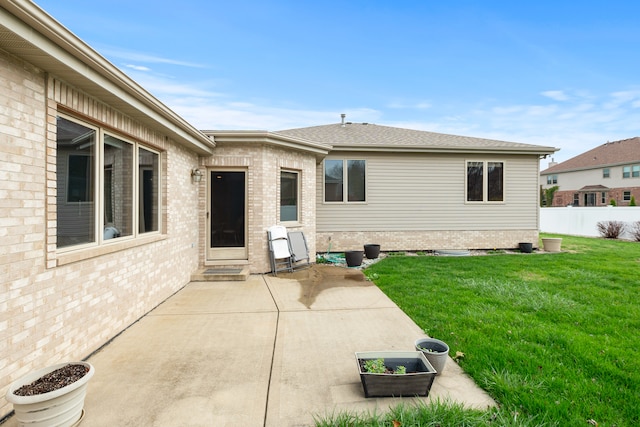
(428, 350)
(375, 366)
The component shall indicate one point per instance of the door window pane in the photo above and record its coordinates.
(76, 177)
(227, 209)
(288, 196)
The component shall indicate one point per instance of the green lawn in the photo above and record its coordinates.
(554, 338)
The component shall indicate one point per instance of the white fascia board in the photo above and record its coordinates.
(266, 137)
(52, 40)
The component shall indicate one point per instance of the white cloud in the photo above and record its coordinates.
(421, 105)
(146, 58)
(580, 123)
(556, 95)
(137, 67)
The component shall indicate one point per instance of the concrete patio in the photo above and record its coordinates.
(271, 351)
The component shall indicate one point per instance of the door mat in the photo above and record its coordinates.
(223, 271)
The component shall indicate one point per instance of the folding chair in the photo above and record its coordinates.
(299, 249)
(279, 252)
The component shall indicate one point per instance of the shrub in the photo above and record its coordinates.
(632, 202)
(612, 202)
(635, 232)
(610, 229)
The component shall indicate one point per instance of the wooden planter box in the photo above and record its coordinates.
(416, 382)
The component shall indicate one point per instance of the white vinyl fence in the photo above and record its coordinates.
(582, 221)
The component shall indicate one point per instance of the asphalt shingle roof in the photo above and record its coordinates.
(367, 135)
(611, 153)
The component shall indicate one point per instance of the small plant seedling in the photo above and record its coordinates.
(375, 366)
(400, 370)
(428, 350)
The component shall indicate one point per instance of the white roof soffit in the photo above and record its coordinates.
(28, 32)
(270, 138)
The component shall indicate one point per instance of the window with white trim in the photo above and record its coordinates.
(552, 179)
(485, 181)
(626, 196)
(342, 176)
(107, 187)
(605, 173)
(289, 196)
(626, 171)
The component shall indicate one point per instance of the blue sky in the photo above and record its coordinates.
(559, 73)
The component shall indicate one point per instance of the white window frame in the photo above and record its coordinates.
(626, 196)
(298, 196)
(98, 184)
(485, 181)
(345, 182)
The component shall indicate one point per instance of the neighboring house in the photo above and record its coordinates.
(608, 172)
(110, 202)
(414, 190)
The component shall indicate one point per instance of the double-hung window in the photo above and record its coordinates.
(107, 187)
(635, 171)
(485, 181)
(552, 179)
(344, 176)
(289, 196)
(626, 171)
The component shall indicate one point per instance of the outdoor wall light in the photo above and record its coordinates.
(196, 175)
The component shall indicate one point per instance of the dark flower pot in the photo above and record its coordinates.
(353, 258)
(526, 247)
(417, 381)
(372, 251)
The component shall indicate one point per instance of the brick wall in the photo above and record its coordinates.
(263, 163)
(58, 307)
(425, 240)
(565, 198)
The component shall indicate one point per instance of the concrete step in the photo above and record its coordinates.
(221, 274)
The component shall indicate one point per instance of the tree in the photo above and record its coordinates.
(548, 193)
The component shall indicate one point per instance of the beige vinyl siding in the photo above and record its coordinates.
(577, 179)
(423, 192)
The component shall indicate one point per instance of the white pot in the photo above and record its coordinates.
(58, 408)
(552, 244)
